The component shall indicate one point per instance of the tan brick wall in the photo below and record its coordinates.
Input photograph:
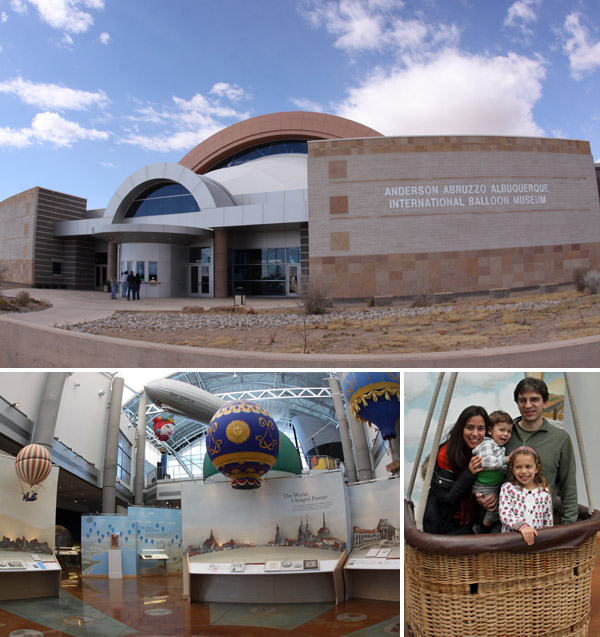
(439, 213)
(460, 272)
(17, 226)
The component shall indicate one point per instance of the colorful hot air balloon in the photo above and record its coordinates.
(33, 466)
(243, 442)
(163, 427)
(374, 398)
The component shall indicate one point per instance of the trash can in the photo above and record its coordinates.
(239, 296)
(106, 286)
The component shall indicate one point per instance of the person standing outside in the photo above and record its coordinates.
(124, 284)
(130, 284)
(552, 444)
(136, 286)
(114, 286)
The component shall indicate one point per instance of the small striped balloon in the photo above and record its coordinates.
(33, 464)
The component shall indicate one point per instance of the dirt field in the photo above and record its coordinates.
(458, 326)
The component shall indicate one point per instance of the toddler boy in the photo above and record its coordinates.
(495, 462)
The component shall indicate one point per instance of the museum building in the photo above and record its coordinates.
(272, 202)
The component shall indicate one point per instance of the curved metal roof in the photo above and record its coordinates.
(284, 395)
(273, 126)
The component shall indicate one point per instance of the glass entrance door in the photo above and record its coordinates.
(100, 276)
(200, 280)
(292, 279)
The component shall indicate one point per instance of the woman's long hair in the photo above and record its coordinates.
(459, 455)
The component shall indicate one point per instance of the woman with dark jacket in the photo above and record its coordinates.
(451, 507)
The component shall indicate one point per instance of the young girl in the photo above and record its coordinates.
(525, 499)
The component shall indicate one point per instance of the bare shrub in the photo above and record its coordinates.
(22, 299)
(3, 274)
(315, 296)
(423, 299)
(579, 275)
(592, 281)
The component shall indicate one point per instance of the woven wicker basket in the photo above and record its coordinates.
(486, 592)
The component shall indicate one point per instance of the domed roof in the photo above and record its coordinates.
(267, 174)
(274, 126)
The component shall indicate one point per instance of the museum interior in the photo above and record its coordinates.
(158, 502)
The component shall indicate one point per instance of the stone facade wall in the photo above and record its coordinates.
(402, 216)
(17, 229)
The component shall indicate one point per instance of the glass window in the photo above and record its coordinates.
(261, 271)
(57, 268)
(130, 266)
(278, 147)
(293, 255)
(162, 199)
(152, 271)
(141, 269)
(199, 255)
(124, 459)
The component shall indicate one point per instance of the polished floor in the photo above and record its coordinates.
(154, 606)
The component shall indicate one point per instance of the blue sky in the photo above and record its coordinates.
(92, 90)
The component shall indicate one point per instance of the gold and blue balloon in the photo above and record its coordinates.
(374, 398)
(243, 442)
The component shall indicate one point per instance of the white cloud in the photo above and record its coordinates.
(521, 13)
(49, 128)
(3, 17)
(307, 105)
(583, 54)
(179, 141)
(53, 95)
(375, 25)
(186, 122)
(104, 38)
(231, 91)
(68, 15)
(453, 93)
(19, 6)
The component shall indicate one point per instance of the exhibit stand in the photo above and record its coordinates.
(115, 564)
(373, 574)
(276, 578)
(25, 575)
(152, 556)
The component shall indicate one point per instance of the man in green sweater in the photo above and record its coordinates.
(552, 444)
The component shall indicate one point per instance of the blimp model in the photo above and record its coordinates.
(183, 399)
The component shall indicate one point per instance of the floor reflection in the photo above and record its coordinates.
(154, 605)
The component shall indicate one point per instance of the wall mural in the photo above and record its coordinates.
(142, 529)
(26, 525)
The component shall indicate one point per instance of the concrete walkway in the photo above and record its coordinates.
(77, 306)
(32, 340)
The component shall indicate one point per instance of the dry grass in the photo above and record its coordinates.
(459, 326)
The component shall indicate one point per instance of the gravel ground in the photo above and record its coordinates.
(164, 322)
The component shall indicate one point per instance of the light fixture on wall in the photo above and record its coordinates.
(76, 384)
(16, 405)
(101, 392)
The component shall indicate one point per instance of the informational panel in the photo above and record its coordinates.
(375, 517)
(142, 530)
(373, 568)
(305, 515)
(26, 525)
